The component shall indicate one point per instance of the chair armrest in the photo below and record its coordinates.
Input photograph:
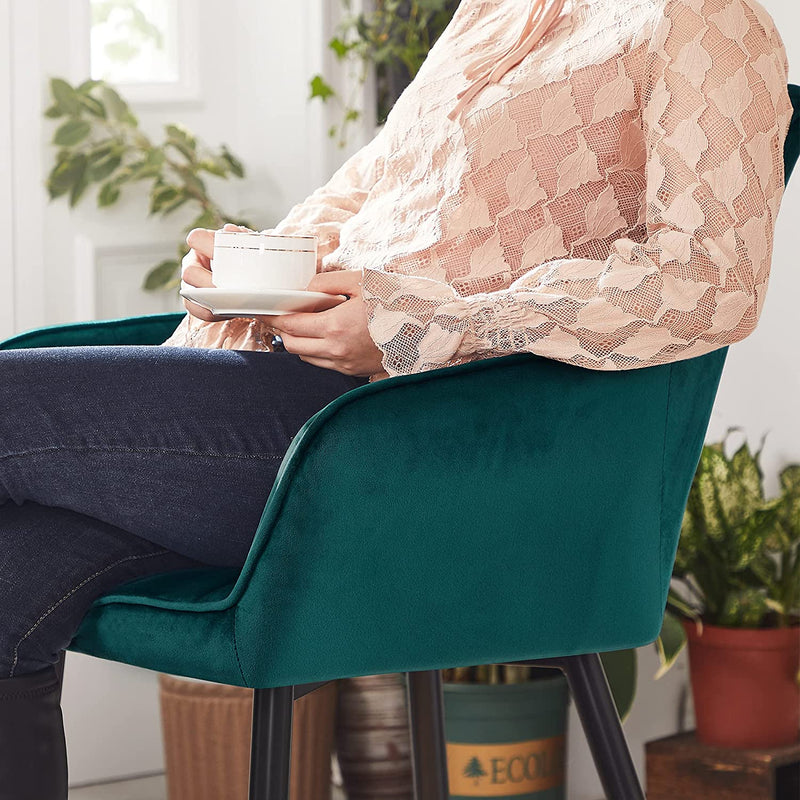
(417, 506)
(149, 329)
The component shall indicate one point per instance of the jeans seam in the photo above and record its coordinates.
(159, 450)
(40, 691)
(69, 594)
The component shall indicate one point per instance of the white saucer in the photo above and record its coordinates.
(237, 303)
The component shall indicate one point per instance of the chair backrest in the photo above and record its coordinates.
(791, 147)
(678, 446)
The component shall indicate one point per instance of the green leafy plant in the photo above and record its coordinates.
(394, 39)
(100, 142)
(738, 559)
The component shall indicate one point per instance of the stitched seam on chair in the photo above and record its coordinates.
(236, 646)
(69, 594)
(663, 482)
(150, 450)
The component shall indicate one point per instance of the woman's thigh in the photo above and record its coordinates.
(120, 462)
(178, 446)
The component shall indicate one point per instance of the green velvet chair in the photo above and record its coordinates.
(510, 510)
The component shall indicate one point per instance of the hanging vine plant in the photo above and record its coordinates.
(393, 39)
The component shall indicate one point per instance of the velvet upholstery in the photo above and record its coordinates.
(369, 558)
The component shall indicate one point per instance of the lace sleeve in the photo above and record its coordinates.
(715, 113)
(328, 208)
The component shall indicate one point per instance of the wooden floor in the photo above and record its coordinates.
(153, 788)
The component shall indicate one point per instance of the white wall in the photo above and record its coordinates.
(254, 69)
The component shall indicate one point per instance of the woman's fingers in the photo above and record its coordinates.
(325, 363)
(196, 266)
(338, 281)
(195, 274)
(201, 240)
(301, 346)
(201, 312)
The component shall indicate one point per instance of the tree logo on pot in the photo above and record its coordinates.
(505, 770)
(474, 769)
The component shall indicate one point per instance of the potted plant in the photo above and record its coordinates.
(393, 39)
(736, 600)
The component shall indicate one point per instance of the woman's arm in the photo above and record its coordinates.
(715, 115)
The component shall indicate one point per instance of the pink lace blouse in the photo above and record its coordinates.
(609, 202)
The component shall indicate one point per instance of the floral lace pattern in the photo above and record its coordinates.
(610, 202)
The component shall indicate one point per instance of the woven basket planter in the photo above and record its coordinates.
(207, 740)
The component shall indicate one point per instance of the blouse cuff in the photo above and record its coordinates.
(420, 324)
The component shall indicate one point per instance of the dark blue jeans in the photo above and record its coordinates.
(120, 462)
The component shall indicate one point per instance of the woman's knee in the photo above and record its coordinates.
(54, 564)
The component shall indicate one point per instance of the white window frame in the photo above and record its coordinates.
(185, 89)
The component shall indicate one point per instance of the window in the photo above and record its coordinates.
(143, 46)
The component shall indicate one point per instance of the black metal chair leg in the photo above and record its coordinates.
(270, 755)
(601, 724)
(426, 723)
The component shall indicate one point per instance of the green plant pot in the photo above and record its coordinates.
(507, 740)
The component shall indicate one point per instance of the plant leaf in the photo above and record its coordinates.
(183, 141)
(65, 96)
(116, 106)
(669, 644)
(620, 669)
(102, 168)
(65, 174)
(161, 195)
(219, 168)
(339, 47)
(162, 275)
(71, 132)
(235, 165)
(321, 88)
(744, 609)
(81, 180)
(108, 194)
(93, 106)
(87, 86)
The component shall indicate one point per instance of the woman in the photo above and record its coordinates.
(594, 181)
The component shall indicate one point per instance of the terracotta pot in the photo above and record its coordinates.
(744, 684)
(207, 740)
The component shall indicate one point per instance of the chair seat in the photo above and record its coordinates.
(182, 623)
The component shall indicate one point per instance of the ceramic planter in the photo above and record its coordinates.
(507, 740)
(372, 740)
(744, 684)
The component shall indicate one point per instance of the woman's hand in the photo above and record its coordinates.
(196, 266)
(336, 339)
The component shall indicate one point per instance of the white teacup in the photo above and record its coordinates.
(261, 261)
